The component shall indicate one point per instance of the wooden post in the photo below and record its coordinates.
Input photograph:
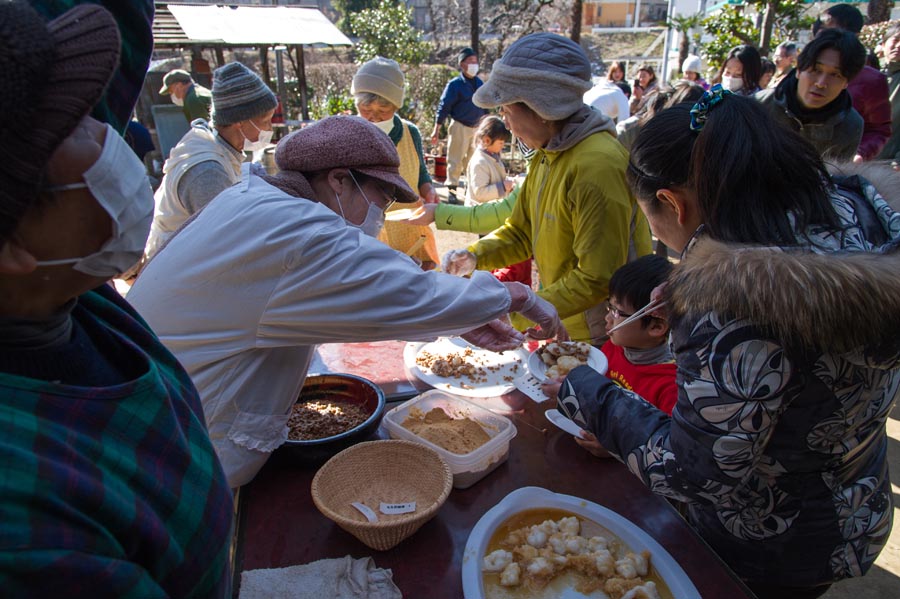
(264, 65)
(220, 56)
(301, 82)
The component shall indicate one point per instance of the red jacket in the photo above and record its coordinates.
(869, 91)
(653, 382)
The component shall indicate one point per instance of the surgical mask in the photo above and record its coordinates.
(177, 101)
(118, 181)
(374, 220)
(472, 69)
(265, 137)
(385, 126)
(732, 84)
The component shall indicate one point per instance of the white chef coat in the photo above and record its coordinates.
(242, 294)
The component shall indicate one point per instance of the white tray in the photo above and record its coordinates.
(511, 363)
(528, 498)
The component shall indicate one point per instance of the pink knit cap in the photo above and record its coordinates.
(344, 142)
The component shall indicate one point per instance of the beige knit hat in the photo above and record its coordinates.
(548, 72)
(382, 77)
(344, 142)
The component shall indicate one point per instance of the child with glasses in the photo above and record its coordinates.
(638, 353)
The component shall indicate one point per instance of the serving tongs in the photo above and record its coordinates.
(653, 305)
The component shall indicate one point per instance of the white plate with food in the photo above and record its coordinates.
(400, 214)
(574, 533)
(557, 358)
(454, 365)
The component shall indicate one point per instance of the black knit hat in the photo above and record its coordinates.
(464, 54)
(54, 74)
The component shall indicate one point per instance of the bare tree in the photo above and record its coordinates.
(473, 20)
(879, 10)
(506, 20)
(577, 7)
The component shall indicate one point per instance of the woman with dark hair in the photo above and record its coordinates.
(648, 83)
(741, 71)
(616, 71)
(785, 329)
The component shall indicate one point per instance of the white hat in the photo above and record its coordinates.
(382, 77)
(691, 64)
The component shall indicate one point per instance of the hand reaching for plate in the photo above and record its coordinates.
(423, 216)
(495, 336)
(459, 262)
(533, 307)
(590, 443)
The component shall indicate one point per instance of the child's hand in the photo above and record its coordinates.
(550, 387)
(590, 442)
(423, 216)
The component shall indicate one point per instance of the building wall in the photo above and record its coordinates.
(615, 13)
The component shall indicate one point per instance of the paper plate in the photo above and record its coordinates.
(554, 416)
(400, 214)
(509, 364)
(596, 360)
(529, 498)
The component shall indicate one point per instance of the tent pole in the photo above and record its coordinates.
(301, 82)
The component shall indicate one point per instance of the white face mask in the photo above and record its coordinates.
(118, 181)
(472, 69)
(732, 84)
(374, 220)
(385, 126)
(265, 138)
(177, 101)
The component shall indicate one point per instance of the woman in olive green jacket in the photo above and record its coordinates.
(575, 213)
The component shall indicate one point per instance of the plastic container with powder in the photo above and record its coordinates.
(470, 467)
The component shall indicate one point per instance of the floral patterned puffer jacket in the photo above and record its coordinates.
(788, 366)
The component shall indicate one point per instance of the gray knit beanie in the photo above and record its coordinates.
(548, 72)
(238, 94)
(382, 77)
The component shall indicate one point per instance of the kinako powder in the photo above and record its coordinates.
(456, 435)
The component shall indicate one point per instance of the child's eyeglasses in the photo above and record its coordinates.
(616, 313)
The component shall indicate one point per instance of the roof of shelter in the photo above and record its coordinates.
(212, 24)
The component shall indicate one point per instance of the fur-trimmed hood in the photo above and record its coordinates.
(835, 301)
(828, 301)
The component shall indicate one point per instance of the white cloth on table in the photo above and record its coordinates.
(246, 290)
(342, 578)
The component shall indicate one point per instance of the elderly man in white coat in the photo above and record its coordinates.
(274, 265)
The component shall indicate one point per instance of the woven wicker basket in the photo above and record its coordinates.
(382, 471)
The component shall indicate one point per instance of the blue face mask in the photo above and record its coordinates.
(374, 220)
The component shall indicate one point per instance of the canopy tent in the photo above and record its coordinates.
(220, 26)
(257, 25)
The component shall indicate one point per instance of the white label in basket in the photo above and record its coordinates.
(398, 508)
